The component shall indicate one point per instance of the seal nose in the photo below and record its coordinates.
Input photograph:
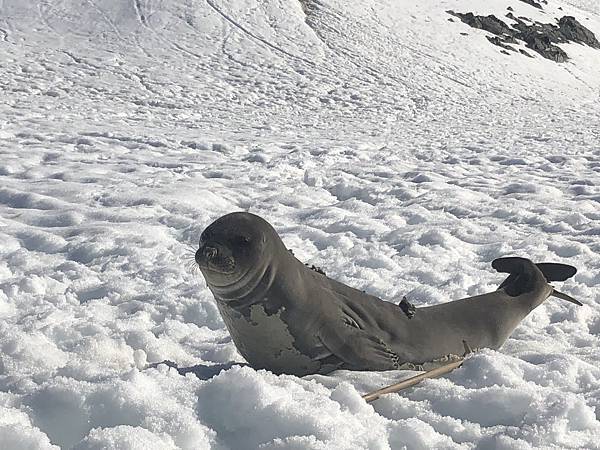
(210, 253)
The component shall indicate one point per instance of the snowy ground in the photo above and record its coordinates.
(385, 146)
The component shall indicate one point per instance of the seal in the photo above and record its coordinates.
(288, 318)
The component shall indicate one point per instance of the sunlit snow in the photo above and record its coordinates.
(396, 149)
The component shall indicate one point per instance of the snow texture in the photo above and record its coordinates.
(392, 147)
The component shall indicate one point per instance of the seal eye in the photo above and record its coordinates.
(241, 240)
(205, 236)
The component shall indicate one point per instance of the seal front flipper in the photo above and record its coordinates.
(407, 308)
(358, 349)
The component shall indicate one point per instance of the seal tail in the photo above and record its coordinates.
(525, 276)
(558, 272)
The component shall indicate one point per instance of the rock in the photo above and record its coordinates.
(540, 30)
(497, 40)
(518, 19)
(572, 30)
(540, 37)
(488, 23)
(533, 3)
(524, 52)
(543, 45)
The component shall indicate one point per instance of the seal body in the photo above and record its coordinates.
(287, 318)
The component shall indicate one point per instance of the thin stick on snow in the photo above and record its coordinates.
(438, 371)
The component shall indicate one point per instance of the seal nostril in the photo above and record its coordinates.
(210, 253)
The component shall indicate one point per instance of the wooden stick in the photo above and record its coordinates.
(413, 380)
(433, 373)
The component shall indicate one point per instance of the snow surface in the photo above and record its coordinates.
(398, 150)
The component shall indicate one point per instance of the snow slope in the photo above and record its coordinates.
(383, 143)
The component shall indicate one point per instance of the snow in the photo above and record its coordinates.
(386, 147)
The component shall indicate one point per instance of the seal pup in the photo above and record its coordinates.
(287, 318)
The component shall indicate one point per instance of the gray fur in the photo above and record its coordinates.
(287, 318)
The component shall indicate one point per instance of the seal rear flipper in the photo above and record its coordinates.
(556, 271)
(559, 272)
(524, 275)
(358, 349)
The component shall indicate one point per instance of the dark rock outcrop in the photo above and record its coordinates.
(539, 37)
(572, 30)
(500, 42)
(488, 23)
(533, 3)
(524, 52)
(543, 45)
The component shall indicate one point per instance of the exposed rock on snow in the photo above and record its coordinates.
(572, 30)
(503, 42)
(533, 3)
(488, 23)
(539, 37)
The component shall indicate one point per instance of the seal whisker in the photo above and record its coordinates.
(190, 264)
(189, 248)
(192, 269)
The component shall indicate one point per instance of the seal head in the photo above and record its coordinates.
(233, 255)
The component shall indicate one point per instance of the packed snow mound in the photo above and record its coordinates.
(396, 149)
